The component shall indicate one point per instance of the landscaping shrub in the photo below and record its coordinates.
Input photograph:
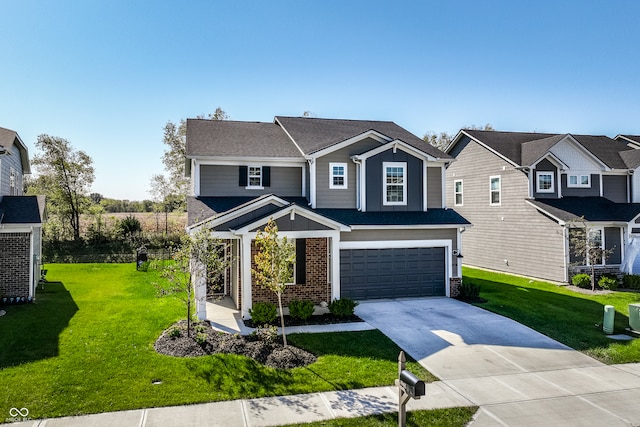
(631, 281)
(301, 309)
(263, 313)
(608, 282)
(469, 291)
(174, 332)
(266, 333)
(344, 307)
(201, 338)
(582, 281)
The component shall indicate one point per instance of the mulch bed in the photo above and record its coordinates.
(320, 319)
(269, 353)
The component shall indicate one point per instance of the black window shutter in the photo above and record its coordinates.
(243, 177)
(266, 176)
(301, 261)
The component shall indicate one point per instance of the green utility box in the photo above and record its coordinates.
(634, 317)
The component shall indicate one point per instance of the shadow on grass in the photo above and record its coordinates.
(572, 320)
(31, 332)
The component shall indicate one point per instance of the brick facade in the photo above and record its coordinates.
(15, 264)
(317, 287)
(454, 286)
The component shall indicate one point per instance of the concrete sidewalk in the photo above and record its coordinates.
(268, 411)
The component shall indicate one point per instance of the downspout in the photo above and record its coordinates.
(312, 182)
(358, 163)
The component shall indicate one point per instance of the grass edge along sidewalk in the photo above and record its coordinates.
(86, 347)
(570, 317)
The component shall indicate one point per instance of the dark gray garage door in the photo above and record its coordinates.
(392, 273)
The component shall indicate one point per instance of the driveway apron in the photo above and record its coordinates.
(516, 375)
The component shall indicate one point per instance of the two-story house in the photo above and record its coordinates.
(20, 222)
(525, 192)
(363, 201)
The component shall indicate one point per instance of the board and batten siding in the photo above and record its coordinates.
(7, 162)
(434, 187)
(593, 191)
(340, 198)
(222, 180)
(375, 189)
(614, 188)
(513, 237)
(545, 166)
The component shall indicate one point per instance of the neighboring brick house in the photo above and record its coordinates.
(363, 201)
(525, 192)
(20, 222)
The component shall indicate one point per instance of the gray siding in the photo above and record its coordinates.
(531, 244)
(374, 187)
(545, 166)
(243, 219)
(337, 197)
(594, 191)
(614, 188)
(216, 181)
(6, 163)
(434, 188)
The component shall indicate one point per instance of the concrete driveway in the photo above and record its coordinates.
(517, 376)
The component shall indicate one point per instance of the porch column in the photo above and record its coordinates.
(335, 266)
(199, 283)
(245, 265)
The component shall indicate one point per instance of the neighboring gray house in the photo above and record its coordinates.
(20, 222)
(523, 192)
(363, 200)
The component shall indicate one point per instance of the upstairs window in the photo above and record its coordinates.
(495, 190)
(583, 181)
(544, 182)
(254, 177)
(13, 190)
(337, 175)
(395, 183)
(457, 192)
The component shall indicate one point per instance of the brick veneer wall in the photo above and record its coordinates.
(454, 286)
(316, 288)
(14, 264)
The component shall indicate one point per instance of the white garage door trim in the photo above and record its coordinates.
(392, 244)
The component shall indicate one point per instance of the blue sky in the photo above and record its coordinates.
(108, 75)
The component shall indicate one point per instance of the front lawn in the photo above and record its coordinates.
(86, 346)
(572, 318)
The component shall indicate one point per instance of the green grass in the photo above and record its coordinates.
(451, 417)
(86, 346)
(572, 318)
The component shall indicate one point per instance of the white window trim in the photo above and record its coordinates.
(578, 180)
(13, 182)
(386, 165)
(331, 176)
(253, 187)
(491, 203)
(553, 182)
(602, 244)
(455, 193)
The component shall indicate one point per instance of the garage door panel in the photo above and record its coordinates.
(392, 273)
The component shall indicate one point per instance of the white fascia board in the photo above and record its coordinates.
(408, 227)
(506, 159)
(377, 136)
(393, 244)
(586, 152)
(18, 228)
(399, 144)
(555, 160)
(243, 161)
(455, 140)
(297, 210)
(309, 234)
(239, 211)
(560, 221)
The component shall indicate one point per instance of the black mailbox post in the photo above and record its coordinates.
(412, 385)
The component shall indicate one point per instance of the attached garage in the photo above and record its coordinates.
(392, 272)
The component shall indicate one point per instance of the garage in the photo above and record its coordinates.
(392, 273)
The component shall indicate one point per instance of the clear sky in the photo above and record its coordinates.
(108, 74)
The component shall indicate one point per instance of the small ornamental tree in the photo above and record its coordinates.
(586, 245)
(196, 258)
(274, 264)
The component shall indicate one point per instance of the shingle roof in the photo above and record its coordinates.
(238, 139)
(8, 139)
(635, 138)
(430, 217)
(523, 148)
(315, 134)
(594, 209)
(7, 136)
(21, 209)
(201, 208)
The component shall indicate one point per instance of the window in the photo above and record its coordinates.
(495, 190)
(583, 181)
(13, 190)
(255, 176)
(337, 175)
(595, 246)
(395, 183)
(457, 192)
(298, 269)
(544, 182)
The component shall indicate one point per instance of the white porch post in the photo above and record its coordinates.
(245, 247)
(335, 266)
(199, 282)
